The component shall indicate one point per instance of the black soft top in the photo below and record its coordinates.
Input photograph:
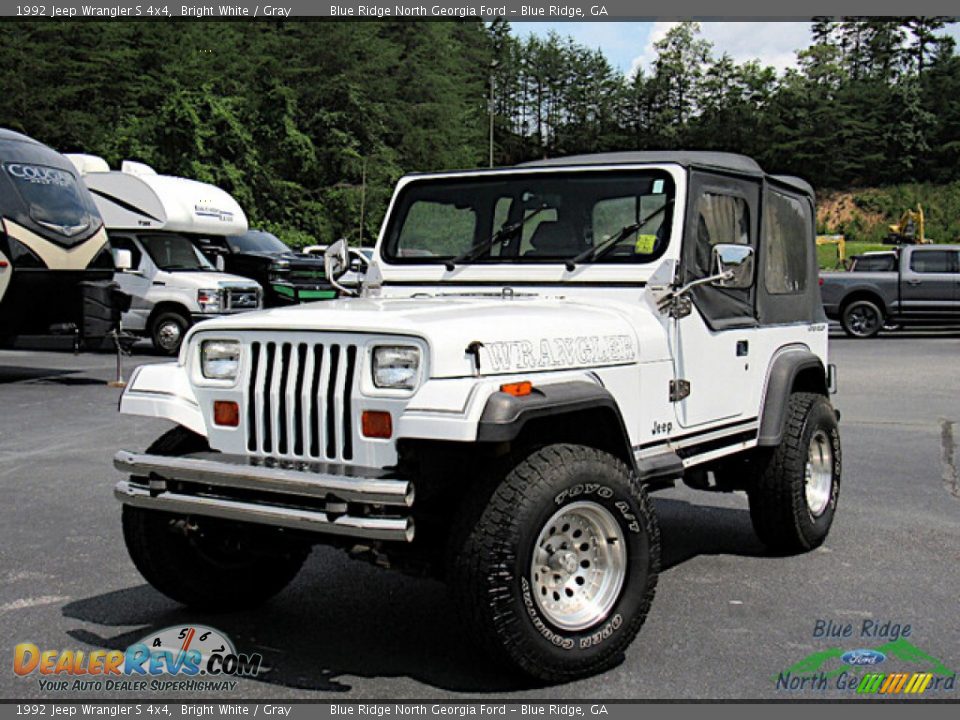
(730, 163)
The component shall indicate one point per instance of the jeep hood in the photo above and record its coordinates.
(517, 334)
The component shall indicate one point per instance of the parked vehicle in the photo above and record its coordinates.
(534, 349)
(56, 270)
(287, 277)
(910, 229)
(153, 218)
(923, 290)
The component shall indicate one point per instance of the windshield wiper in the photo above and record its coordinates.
(596, 252)
(504, 233)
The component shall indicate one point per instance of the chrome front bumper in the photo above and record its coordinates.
(300, 496)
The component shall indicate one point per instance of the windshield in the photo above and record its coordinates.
(174, 252)
(565, 213)
(52, 197)
(257, 241)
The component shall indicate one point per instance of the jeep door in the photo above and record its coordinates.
(712, 344)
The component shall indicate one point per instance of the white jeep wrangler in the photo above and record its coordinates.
(533, 349)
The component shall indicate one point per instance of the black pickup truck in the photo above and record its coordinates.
(287, 277)
(922, 288)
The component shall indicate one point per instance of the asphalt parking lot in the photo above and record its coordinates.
(726, 620)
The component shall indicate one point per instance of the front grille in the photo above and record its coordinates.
(298, 400)
(236, 299)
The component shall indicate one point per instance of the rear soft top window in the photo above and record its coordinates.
(52, 197)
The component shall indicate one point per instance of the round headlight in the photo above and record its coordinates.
(220, 359)
(396, 367)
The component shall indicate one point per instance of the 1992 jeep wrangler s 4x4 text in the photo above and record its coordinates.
(533, 349)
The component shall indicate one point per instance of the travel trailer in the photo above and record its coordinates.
(158, 219)
(56, 270)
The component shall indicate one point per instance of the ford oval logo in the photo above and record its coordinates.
(863, 657)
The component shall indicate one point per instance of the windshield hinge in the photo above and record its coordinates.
(679, 390)
(677, 306)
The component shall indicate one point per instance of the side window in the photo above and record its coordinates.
(125, 243)
(436, 228)
(786, 244)
(933, 261)
(720, 219)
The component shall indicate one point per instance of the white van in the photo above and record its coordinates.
(156, 218)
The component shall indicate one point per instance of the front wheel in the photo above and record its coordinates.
(862, 319)
(793, 494)
(203, 562)
(559, 565)
(167, 331)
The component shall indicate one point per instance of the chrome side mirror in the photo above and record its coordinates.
(732, 266)
(336, 260)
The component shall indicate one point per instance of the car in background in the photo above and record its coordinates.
(287, 277)
(922, 288)
(151, 218)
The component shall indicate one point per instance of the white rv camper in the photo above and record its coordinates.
(157, 219)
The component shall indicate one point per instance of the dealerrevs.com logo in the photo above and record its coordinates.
(179, 658)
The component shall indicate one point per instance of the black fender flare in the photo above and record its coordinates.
(505, 415)
(787, 365)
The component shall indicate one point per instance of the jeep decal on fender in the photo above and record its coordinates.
(559, 352)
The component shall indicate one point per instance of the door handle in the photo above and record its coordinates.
(913, 282)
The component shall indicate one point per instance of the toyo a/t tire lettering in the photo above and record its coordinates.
(556, 569)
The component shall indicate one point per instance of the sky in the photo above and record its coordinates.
(628, 45)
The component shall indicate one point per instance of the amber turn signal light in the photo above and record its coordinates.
(226, 413)
(518, 389)
(376, 424)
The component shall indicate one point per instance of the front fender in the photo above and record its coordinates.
(163, 391)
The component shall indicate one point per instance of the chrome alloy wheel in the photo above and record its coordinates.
(579, 565)
(168, 335)
(818, 473)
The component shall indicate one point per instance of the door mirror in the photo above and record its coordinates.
(732, 266)
(122, 260)
(220, 263)
(336, 260)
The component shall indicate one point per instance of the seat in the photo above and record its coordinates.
(554, 238)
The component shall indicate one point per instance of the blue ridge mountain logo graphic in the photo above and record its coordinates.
(857, 670)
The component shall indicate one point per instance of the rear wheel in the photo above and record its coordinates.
(862, 319)
(203, 562)
(793, 494)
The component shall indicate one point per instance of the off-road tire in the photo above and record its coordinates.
(862, 328)
(779, 508)
(157, 325)
(173, 560)
(490, 563)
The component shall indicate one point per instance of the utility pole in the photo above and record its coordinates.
(493, 85)
(363, 200)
